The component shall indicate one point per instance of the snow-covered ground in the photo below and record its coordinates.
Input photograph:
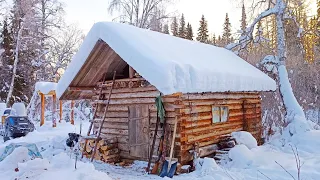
(249, 163)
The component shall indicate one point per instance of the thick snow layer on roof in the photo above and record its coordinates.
(45, 87)
(171, 64)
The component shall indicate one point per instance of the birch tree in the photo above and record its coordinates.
(25, 30)
(139, 13)
(295, 117)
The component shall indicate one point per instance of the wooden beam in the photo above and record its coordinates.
(54, 110)
(42, 109)
(72, 113)
(60, 111)
(87, 89)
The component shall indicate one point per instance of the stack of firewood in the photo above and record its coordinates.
(107, 149)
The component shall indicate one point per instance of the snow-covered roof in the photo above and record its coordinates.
(45, 87)
(169, 63)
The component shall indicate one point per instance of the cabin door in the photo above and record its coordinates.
(139, 131)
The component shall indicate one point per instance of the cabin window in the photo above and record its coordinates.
(220, 114)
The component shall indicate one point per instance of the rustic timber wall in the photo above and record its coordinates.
(196, 126)
(117, 118)
(193, 111)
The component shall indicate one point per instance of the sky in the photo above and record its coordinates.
(86, 12)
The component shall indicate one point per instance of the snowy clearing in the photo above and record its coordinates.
(58, 162)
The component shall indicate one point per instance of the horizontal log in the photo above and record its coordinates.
(220, 96)
(215, 126)
(112, 114)
(113, 125)
(114, 131)
(213, 133)
(120, 138)
(132, 95)
(127, 101)
(218, 102)
(112, 120)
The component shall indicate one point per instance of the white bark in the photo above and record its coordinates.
(15, 64)
(295, 117)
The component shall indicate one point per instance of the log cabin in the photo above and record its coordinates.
(208, 90)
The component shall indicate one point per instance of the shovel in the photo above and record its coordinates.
(167, 165)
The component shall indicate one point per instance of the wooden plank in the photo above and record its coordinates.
(139, 130)
(98, 61)
(96, 51)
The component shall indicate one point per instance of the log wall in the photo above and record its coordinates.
(116, 121)
(194, 113)
(196, 127)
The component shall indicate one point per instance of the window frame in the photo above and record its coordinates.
(214, 109)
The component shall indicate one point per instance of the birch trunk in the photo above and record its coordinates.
(15, 64)
(295, 117)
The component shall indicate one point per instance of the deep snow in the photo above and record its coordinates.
(58, 162)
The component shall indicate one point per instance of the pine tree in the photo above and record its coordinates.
(213, 40)
(226, 36)
(174, 27)
(203, 31)
(182, 27)
(189, 34)
(165, 29)
(243, 21)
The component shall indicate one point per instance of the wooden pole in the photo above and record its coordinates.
(42, 109)
(72, 113)
(60, 111)
(172, 141)
(54, 110)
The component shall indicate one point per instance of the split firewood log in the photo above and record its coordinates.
(101, 142)
(108, 147)
(97, 156)
(111, 151)
(88, 149)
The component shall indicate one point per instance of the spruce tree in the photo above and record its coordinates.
(165, 29)
(243, 21)
(174, 27)
(213, 40)
(226, 36)
(189, 34)
(182, 27)
(203, 31)
(6, 59)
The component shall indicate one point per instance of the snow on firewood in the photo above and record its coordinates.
(245, 138)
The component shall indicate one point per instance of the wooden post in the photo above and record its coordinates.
(60, 111)
(54, 110)
(72, 113)
(42, 109)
